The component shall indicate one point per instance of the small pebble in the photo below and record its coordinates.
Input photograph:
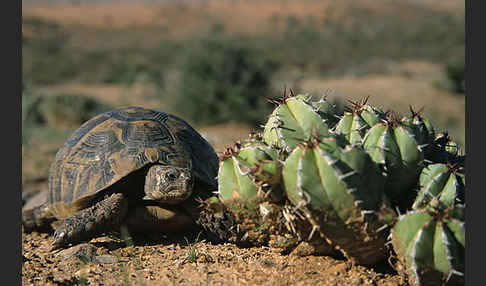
(84, 251)
(106, 258)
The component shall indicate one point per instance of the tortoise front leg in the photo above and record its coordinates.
(104, 216)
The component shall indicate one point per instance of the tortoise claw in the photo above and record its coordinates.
(59, 239)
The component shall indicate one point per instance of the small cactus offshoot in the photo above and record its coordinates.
(444, 182)
(249, 173)
(445, 150)
(430, 244)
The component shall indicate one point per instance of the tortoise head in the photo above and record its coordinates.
(168, 184)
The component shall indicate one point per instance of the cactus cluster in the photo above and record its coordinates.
(366, 183)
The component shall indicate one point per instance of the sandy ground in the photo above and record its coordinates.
(177, 261)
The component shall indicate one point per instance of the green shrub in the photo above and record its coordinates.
(58, 110)
(455, 74)
(221, 80)
(55, 115)
(30, 102)
(30, 114)
(69, 110)
(129, 73)
(46, 56)
(331, 44)
(338, 43)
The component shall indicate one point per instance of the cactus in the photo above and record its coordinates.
(249, 173)
(249, 209)
(430, 244)
(317, 180)
(340, 190)
(421, 127)
(326, 111)
(394, 147)
(293, 120)
(445, 150)
(249, 180)
(357, 119)
(444, 182)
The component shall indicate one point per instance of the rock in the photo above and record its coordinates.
(85, 252)
(306, 249)
(106, 258)
(32, 200)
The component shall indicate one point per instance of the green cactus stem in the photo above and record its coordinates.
(249, 173)
(444, 182)
(430, 245)
(445, 150)
(327, 111)
(339, 189)
(421, 128)
(395, 149)
(293, 120)
(357, 119)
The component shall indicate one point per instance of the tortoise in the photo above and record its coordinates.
(130, 167)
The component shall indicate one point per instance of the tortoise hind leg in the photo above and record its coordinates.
(38, 219)
(104, 216)
(158, 219)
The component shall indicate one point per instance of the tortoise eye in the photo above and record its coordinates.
(172, 176)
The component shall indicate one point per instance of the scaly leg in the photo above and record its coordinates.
(102, 217)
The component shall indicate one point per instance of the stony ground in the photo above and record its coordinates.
(185, 260)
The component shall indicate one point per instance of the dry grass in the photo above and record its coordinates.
(111, 94)
(243, 16)
(238, 16)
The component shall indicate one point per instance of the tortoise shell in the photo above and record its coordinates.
(115, 144)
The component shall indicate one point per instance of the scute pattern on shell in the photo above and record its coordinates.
(112, 145)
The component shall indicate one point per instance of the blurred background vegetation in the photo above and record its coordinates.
(216, 62)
